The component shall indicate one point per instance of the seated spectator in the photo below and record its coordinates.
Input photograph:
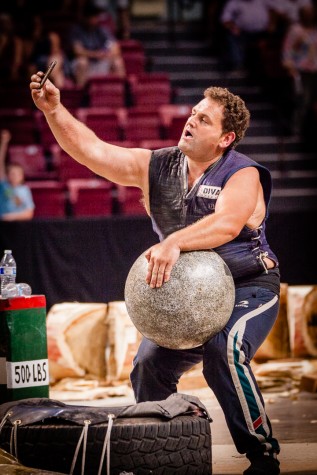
(300, 60)
(16, 201)
(96, 52)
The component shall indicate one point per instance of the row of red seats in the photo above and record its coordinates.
(58, 165)
(84, 197)
(139, 88)
(114, 122)
(121, 124)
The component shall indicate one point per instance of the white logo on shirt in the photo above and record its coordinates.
(207, 191)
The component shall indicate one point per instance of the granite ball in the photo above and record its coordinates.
(194, 305)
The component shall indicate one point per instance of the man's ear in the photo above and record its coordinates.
(227, 139)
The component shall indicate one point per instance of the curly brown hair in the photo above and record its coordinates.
(236, 116)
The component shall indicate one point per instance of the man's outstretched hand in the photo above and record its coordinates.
(46, 98)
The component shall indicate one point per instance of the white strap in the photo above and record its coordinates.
(83, 437)
(106, 445)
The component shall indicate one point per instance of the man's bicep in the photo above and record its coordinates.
(125, 166)
(239, 196)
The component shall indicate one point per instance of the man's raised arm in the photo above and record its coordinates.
(118, 164)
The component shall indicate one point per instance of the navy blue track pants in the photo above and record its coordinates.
(226, 367)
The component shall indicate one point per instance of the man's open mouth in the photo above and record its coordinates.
(187, 133)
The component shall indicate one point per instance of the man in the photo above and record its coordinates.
(230, 219)
(245, 23)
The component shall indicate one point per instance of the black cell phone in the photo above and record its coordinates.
(48, 72)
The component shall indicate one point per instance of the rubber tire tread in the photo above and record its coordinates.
(143, 446)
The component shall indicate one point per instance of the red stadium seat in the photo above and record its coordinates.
(150, 89)
(142, 123)
(131, 45)
(90, 197)
(33, 161)
(20, 123)
(49, 198)
(131, 200)
(67, 167)
(46, 137)
(107, 91)
(173, 118)
(104, 121)
(134, 62)
(16, 97)
(134, 56)
(72, 97)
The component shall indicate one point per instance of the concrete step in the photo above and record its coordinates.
(261, 110)
(211, 77)
(184, 64)
(261, 128)
(294, 179)
(154, 30)
(293, 199)
(290, 162)
(270, 144)
(163, 48)
(249, 93)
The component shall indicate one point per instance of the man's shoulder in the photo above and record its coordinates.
(238, 160)
(167, 153)
(167, 158)
(238, 156)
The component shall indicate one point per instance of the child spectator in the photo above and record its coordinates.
(16, 201)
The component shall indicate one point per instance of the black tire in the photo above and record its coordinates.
(143, 446)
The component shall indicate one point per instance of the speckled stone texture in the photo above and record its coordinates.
(190, 308)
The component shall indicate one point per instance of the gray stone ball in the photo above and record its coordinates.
(194, 305)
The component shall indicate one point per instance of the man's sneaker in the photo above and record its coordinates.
(263, 465)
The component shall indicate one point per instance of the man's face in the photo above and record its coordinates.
(202, 138)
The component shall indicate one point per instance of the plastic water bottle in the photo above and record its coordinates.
(16, 290)
(8, 269)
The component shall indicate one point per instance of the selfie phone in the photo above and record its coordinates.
(48, 72)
